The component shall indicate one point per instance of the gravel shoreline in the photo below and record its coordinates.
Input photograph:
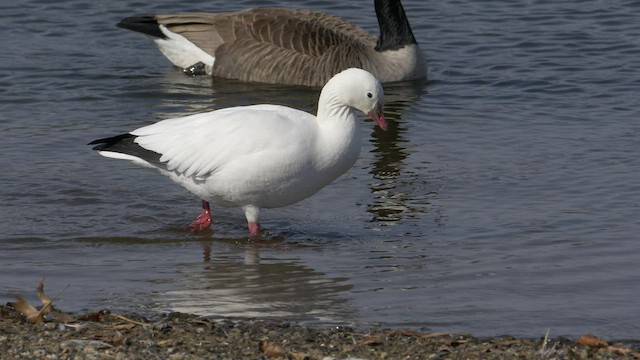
(105, 335)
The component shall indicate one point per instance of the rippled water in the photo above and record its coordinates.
(505, 197)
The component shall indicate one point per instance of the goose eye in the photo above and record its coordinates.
(369, 95)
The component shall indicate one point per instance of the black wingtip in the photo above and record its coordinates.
(108, 142)
(147, 24)
(125, 144)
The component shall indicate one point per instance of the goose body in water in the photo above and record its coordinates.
(260, 156)
(285, 46)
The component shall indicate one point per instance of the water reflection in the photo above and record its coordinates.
(246, 285)
(189, 95)
(393, 192)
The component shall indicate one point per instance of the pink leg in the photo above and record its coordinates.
(203, 220)
(254, 230)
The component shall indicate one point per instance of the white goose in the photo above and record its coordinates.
(285, 46)
(260, 156)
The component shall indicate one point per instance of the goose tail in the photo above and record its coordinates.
(147, 24)
(124, 147)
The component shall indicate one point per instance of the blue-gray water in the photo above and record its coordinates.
(504, 199)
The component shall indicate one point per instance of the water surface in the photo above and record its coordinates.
(503, 199)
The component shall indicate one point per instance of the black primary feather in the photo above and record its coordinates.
(125, 144)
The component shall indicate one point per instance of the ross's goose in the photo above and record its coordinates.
(260, 156)
(285, 46)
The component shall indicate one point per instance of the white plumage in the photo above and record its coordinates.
(260, 156)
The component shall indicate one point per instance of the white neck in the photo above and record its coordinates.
(338, 144)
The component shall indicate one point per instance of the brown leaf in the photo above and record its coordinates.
(619, 349)
(25, 308)
(591, 341)
(371, 340)
(93, 316)
(46, 302)
(271, 350)
(37, 316)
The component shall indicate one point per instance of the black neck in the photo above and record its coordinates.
(395, 31)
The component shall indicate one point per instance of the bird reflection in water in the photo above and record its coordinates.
(239, 283)
(395, 193)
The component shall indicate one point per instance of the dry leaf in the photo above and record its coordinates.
(271, 350)
(619, 349)
(37, 316)
(591, 341)
(371, 340)
(93, 316)
(46, 302)
(25, 308)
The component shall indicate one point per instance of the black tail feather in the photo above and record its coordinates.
(147, 25)
(125, 144)
(106, 143)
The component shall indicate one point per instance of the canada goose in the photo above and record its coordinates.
(260, 156)
(285, 46)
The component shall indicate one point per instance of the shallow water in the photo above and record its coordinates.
(503, 199)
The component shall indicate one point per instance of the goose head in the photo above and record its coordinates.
(358, 89)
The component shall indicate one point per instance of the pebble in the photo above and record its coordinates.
(183, 337)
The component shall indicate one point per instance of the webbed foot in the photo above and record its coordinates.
(195, 69)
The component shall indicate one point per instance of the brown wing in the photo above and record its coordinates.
(275, 45)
